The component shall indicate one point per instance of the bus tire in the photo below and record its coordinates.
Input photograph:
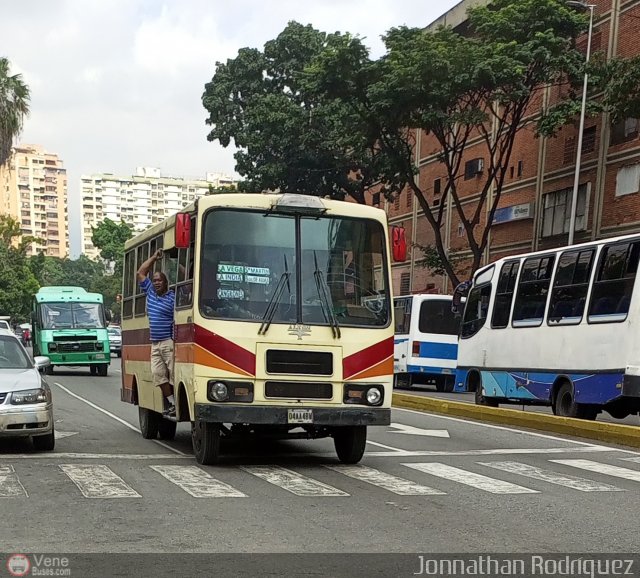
(102, 370)
(205, 439)
(49, 370)
(149, 423)
(350, 443)
(474, 383)
(566, 406)
(167, 429)
(445, 383)
(402, 380)
(92, 370)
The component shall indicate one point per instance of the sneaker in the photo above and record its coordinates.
(170, 411)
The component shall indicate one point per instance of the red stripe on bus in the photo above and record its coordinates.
(226, 350)
(366, 358)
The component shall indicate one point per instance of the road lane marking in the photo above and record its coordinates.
(600, 468)
(636, 460)
(573, 482)
(418, 431)
(385, 481)
(64, 434)
(10, 486)
(293, 482)
(98, 482)
(90, 456)
(394, 450)
(508, 429)
(472, 479)
(113, 416)
(197, 482)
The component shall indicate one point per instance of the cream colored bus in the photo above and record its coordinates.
(283, 322)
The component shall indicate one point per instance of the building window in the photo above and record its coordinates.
(628, 180)
(376, 199)
(520, 168)
(533, 289)
(557, 211)
(504, 294)
(570, 287)
(409, 200)
(405, 283)
(437, 185)
(473, 168)
(589, 140)
(623, 131)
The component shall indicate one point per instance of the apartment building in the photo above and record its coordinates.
(142, 199)
(534, 208)
(33, 190)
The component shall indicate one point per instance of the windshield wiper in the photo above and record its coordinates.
(272, 306)
(325, 300)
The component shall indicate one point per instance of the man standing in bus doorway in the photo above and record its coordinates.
(160, 305)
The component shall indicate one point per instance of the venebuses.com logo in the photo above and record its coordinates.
(18, 565)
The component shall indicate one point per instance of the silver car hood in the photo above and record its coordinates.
(17, 379)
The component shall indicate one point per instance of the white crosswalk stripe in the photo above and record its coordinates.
(573, 482)
(293, 482)
(197, 482)
(10, 486)
(472, 479)
(385, 481)
(599, 468)
(98, 481)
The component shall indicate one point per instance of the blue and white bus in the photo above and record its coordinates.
(557, 328)
(426, 341)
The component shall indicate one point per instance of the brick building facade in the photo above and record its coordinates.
(534, 208)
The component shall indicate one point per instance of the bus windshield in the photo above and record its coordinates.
(71, 316)
(335, 264)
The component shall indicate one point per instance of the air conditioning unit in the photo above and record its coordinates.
(473, 167)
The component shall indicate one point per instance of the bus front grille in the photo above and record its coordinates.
(298, 390)
(298, 362)
(76, 347)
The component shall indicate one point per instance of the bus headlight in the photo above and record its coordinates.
(53, 346)
(218, 391)
(374, 396)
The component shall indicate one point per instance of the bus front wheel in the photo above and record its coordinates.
(350, 442)
(103, 370)
(149, 423)
(205, 438)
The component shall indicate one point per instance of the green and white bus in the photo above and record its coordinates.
(70, 328)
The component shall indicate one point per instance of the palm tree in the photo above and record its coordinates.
(14, 105)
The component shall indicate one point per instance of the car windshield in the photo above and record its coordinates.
(12, 355)
(113, 331)
(71, 315)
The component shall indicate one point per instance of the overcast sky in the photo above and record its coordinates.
(117, 84)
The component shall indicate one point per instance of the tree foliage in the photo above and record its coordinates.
(312, 103)
(14, 106)
(110, 238)
(290, 137)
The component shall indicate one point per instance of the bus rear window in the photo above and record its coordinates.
(436, 317)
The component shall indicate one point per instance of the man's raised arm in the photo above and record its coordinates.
(144, 269)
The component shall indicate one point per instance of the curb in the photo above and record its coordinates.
(601, 431)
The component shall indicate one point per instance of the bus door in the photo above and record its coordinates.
(402, 313)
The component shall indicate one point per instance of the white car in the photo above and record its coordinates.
(26, 407)
(5, 325)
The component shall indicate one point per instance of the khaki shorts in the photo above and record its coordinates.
(162, 361)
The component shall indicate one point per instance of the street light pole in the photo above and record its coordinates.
(576, 178)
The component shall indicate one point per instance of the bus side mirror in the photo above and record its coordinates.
(183, 230)
(459, 294)
(107, 315)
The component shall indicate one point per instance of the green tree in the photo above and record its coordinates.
(457, 88)
(14, 106)
(289, 138)
(110, 238)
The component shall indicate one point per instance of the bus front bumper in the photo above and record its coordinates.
(279, 415)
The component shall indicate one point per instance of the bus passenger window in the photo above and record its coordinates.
(402, 313)
(613, 287)
(504, 295)
(570, 287)
(533, 290)
(476, 309)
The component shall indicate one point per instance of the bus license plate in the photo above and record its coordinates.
(300, 416)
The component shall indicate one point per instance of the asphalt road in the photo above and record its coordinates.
(428, 484)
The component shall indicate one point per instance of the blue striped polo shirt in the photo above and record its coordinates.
(160, 311)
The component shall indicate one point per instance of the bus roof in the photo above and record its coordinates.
(553, 250)
(64, 293)
(259, 201)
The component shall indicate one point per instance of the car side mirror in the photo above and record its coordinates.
(41, 362)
